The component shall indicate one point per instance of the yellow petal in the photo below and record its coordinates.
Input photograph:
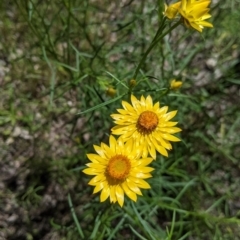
(206, 24)
(144, 151)
(170, 115)
(112, 143)
(95, 158)
(98, 166)
(143, 176)
(139, 175)
(128, 192)
(169, 124)
(104, 194)
(140, 183)
(152, 151)
(120, 195)
(142, 162)
(134, 101)
(143, 184)
(162, 110)
(121, 111)
(143, 101)
(162, 150)
(113, 197)
(118, 130)
(117, 116)
(143, 169)
(99, 150)
(97, 179)
(149, 103)
(206, 16)
(133, 187)
(109, 152)
(156, 106)
(129, 146)
(170, 137)
(201, 12)
(91, 171)
(127, 106)
(184, 4)
(170, 130)
(196, 26)
(145, 161)
(99, 187)
(160, 141)
(119, 146)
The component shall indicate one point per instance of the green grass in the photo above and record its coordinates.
(57, 59)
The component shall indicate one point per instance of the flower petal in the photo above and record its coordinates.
(113, 197)
(104, 194)
(120, 195)
(170, 137)
(97, 179)
(99, 187)
(128, 192)
(132, 186)
(91, 171)
(143, 184)
(95, 158)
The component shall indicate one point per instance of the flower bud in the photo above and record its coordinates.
(111, 92)
(133, 83)
(175, 85)
(172, 10)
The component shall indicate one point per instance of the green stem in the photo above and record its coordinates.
(155, 40)
(161, 27)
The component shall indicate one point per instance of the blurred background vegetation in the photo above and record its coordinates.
(57, 59)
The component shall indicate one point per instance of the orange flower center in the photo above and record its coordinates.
(118, 167)
(147, 122)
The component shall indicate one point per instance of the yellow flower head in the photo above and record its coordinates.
(175, 85)
(147, 124)
(118, 170)
(194, 13)
(172, 10)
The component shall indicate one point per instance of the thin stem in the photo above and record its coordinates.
(161, 27)
(155, 40)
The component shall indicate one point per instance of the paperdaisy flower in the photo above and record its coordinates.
(118, 170)
(194, 13)
(147, 124)
(172, 10)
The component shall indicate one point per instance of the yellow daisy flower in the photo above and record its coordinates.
(147, 124)
(118, 170)
(194, 13)
(172, 10)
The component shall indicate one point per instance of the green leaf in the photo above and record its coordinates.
(102, 104)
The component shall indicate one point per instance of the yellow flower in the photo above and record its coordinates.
(175, 85)
(147, 124)
(118, 170)
(172, 10)
(194, 13)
